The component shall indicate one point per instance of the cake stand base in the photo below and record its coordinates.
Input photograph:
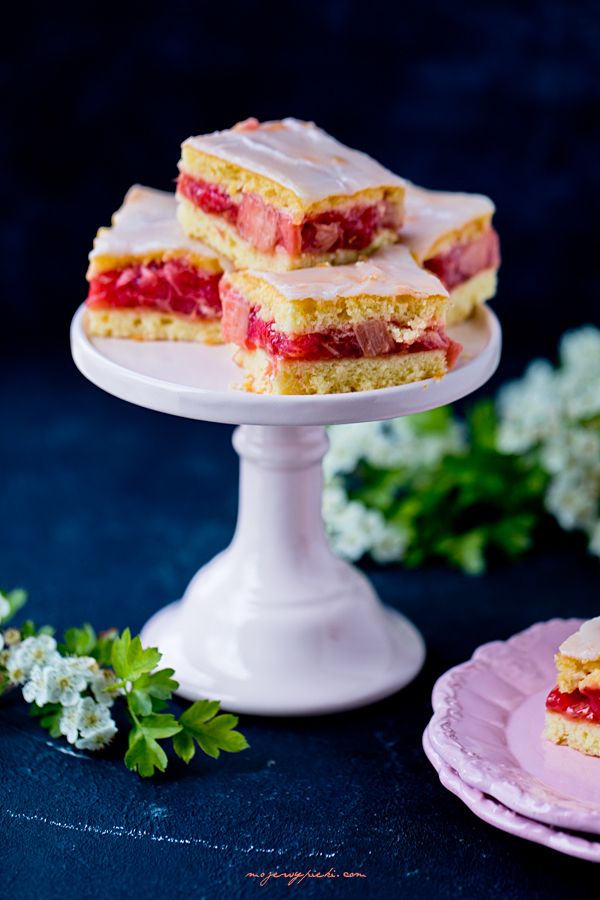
(321, 689)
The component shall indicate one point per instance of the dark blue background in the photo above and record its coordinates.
(108, 510)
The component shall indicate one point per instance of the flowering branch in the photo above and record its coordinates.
(432, 486)
(73, 688)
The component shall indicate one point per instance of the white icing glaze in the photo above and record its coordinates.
(429, 215)
(298, 155)
(146, 223)
(585, 643)
(391, 272)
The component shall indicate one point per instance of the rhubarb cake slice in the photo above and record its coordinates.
(285, 195)
(451, 234)
(573, 706)
(148, 280)
(372, 324)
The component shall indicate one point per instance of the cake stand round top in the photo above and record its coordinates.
(198, 381)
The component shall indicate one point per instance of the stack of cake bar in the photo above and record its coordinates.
(324, 271)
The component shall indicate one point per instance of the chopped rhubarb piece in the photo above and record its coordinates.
(374, 338)
(209, 197)
(257, 223)
(465, 260)
(236, 312)
(173, 286)
(576, 704)
(352, 228)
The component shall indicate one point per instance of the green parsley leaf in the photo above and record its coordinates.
(210, 731)
(129, 659)
(144, 754)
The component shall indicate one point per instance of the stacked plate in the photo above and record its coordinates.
(486, 742)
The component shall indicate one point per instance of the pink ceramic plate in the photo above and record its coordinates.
(505, 819)
(488, 726)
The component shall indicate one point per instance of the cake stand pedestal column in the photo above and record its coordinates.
(277, 624)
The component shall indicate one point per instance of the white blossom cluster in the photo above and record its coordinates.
(354, 529)
(555, 414)
(76, 683)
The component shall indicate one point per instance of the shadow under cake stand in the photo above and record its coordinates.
(277, 624)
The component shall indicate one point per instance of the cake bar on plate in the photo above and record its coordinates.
(328, 329)
(451, 234)
(148, 280)
(573, 706)
(285, 195)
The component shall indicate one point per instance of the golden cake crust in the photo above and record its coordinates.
(150, 325)
(267, 376)
(470, 294)
(574, 674)
(580, 734)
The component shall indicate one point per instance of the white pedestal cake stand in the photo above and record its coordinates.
(276, 624)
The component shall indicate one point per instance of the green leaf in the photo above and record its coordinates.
(130, 660)
(151, 690)
(139, 702)
(434, 421)
(200, 712)
(183, 745)
(158, 684)
(483, 424)
(144, 754)
(159, 725)
(79, 641)
(16, 599)
(211, 732)
(103, 652)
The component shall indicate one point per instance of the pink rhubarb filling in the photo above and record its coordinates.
(267, 228)
(576, 704)
(244, 326)
(466, 260)
(174, 286)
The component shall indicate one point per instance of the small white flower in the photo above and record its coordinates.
(390, 545)
(571, 501)
(19, 664)
(1, 640)
(69, 722)
(86, 666)
(4, 608)
(35, 690)
(101, 685)
(65, 683)
(92, 717)
(97, 739)
(40, 650)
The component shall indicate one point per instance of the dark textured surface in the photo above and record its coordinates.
(108, 510)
